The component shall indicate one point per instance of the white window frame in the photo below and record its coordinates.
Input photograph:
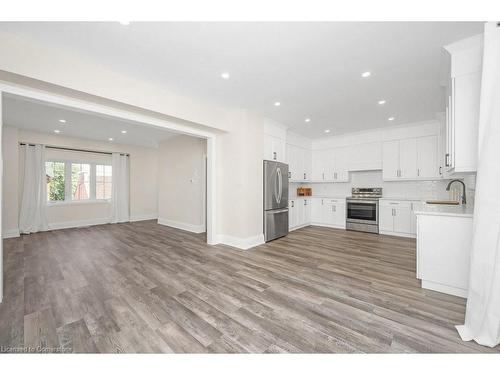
(68, 194)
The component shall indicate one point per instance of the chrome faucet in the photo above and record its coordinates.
(464, 200)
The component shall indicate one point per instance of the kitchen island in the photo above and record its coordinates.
(444, 240)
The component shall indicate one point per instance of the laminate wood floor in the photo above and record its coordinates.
(142, 287)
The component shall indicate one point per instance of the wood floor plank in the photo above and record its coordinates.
(146, 288)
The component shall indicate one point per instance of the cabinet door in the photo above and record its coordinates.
(307, 211)
(300, 211)
(292, 214)
(279, 148)
(339, 213)
(329, 165)
(341, 164)
(408, 158)
(386, 218)
(427, 157)
(390, 160)
(327, 214)
(300, 163)
(268, 147)
(307, 164)
(316, 210)
(290, 161)
(402, 220)
(318, 162)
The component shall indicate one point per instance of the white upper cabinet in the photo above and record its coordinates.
(411, 159)
(331, 165)
(274, 148)
(427, 157)
(408, 158)
(462, 104)
(299, 163)
(390, 160)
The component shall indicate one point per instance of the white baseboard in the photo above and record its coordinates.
(78, 223)
(195, 228)
(240, 243)
(298, 227)
(454, 291)
(328, 225)
(143, 217)
(11, 233)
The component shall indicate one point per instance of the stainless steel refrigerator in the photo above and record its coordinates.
(275, 200)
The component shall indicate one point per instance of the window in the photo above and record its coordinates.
(76, 181)
(55, 181)
(80, 181)
(103, 180)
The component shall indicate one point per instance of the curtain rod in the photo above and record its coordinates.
(72, 149)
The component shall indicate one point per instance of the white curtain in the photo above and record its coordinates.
(32, 217)
(120, 195)
(482, 318)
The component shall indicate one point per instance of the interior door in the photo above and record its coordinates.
(408, 158)
(390, 160)
(427, 157)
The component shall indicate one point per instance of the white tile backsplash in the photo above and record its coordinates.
(390, 189)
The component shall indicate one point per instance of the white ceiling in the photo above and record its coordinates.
(313, 69)
(43, 117)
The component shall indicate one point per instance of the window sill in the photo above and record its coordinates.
(77, 203)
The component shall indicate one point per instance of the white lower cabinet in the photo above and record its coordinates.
(299, 212)
(328, 212)
(397, 217)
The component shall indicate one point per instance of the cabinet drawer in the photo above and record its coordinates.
(396, 204)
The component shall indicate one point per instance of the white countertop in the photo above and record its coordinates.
(316, 196)
(446, 210)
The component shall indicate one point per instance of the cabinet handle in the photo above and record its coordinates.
(447, 162)
(293, 205)
(322, 202)
(440, 171)
(323, 175)
(304, 176)
(334, 208)
(274, 155)
(289, 174)
(305, 202)
(334, 175)
(418, 172)
(411, 205)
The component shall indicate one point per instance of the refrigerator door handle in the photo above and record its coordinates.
(280, 211)
(280, 185)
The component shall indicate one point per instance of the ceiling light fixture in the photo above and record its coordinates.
(225, 75)
(124, 23)
(57, 131)
(327, 131)
(307, 120)
(277, 104)
(111, 139)
(124, 132)
(365, 74)
(62, 121)
(391, 119)
(381, 102)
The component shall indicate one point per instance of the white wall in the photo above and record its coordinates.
(31, 64)
(182, 183)
(143, 182)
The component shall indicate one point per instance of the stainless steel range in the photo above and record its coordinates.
(362, 209)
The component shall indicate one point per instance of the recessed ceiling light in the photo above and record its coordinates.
(365, 74)
(327, 131)
(62, 121)
(391, 119)
(57, 131)
(277, 104)
(307, 120)
(111, 139)
(225, 75)
(124, 23)
(381, 102)
(124, 132)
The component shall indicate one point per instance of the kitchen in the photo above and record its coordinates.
(397, 181)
